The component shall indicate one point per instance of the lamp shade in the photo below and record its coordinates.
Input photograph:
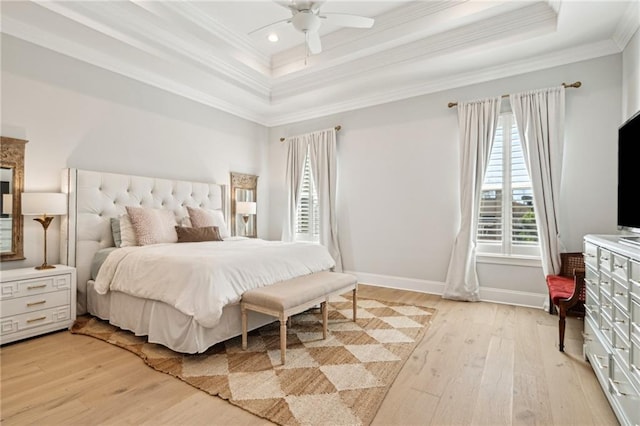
(7, 203)
(44, 203)
(246, 207)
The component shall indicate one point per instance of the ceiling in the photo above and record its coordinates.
(206, 51)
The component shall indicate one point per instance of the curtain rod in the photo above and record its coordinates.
(338, 127)
(575, 85)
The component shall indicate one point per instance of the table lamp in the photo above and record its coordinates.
(44, 205)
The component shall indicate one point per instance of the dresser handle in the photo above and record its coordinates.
(589, 255)
(615, 389)
(35, 319)
(619, 321)
(32, 287)
(619, 293)
(39, 302)
(586, 337)
(598, 364)
(620, 348)
(617, 266)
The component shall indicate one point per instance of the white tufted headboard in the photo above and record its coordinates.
(96, 197)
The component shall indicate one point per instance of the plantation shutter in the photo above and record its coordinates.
(506, 154)
(307, 223)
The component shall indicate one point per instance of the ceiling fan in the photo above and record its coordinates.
(307, 18)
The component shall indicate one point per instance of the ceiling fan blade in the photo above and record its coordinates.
(313, 41)
(315, 5)
(345, 20)
(270, 26)
(287, 4)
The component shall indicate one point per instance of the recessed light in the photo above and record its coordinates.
(273, 37)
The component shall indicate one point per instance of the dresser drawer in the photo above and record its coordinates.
(606, 327)
(621, 347)
(634, 360)
(9, 325)
(34, 303)
(620, 267)
(606, 286)
(620, 320)
(592, 281)
(634, 316)
(592, 307)
(604, 260)
(22, 288)
(596, 353)
(591, 255)
(634, 278)
(620, 293)
(624, 393)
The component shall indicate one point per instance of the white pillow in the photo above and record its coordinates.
(205, 217)
(127, 234)
(153, 226)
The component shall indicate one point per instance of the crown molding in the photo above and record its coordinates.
(162, 44)
(511, 26)
(373, 98)
(238, 41)
(248, 108)
(397, 27)
(628, 25)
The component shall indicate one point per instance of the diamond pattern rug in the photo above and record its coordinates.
(339, 381)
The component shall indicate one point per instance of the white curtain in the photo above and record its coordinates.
(478, 121)
(323, 161)
(539, 115)
(323, 168)
(297, 152)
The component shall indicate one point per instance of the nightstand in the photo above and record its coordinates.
(34, 302)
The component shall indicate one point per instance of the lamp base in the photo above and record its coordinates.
(44, 266)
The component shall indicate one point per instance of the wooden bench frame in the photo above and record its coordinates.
(285, 315)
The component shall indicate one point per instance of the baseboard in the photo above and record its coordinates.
(487, 294)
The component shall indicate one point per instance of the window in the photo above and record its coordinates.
(507, 224)
(307, 216)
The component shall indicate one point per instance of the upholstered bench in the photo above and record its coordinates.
(296, 295)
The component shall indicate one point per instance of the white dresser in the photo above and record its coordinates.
(612, 321)
(33, 302)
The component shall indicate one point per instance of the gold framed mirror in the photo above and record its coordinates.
(11, 185)
(244, 197)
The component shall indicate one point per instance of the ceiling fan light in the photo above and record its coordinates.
(305, 21)
(273, 38)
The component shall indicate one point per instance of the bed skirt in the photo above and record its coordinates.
(164, 324)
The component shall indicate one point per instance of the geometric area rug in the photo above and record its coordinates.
(338, 381)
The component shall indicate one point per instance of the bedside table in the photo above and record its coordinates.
(34, 302)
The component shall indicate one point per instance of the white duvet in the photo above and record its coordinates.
(199, 279)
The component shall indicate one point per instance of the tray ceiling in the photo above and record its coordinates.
(203, 50)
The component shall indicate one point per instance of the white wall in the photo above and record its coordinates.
(398, 180)
(77, 115)
(631, 77)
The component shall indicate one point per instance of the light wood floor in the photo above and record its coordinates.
(478, 364)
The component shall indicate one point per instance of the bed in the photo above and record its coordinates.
(126, 286)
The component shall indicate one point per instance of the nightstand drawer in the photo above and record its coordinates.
(21, 288)
(33, 303)
(34, 319)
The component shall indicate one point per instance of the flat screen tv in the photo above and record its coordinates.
(629, 175)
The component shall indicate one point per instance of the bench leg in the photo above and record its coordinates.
(244, 327)
(355, 303)
(325, 318)
(283, 338)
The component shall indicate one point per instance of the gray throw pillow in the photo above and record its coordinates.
(115, 231)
